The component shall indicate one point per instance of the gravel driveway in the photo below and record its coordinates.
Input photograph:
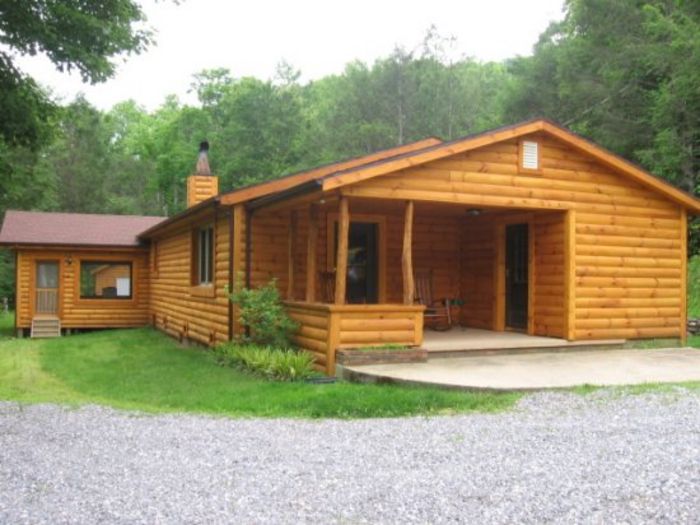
(558, 457)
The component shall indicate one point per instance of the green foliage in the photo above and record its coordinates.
(146, 370)
(74, 35)
(262, 313)
(7, 324)
(270, 363)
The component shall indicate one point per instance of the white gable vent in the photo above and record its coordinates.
(531, 157)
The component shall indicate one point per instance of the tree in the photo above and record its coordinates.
(75, 35)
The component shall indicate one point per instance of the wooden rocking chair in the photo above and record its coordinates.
(327, 280)
(437, 312)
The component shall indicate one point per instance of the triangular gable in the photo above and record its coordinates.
(446, 149)
(284, 183)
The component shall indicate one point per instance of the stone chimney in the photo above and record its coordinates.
(202, 185)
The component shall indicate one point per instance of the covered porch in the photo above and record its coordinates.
(348, 268)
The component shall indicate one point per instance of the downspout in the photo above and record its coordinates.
(248, 253)
(231, 273)
(16, 289)
(248, 246)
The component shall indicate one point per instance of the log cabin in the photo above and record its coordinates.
(529, 228)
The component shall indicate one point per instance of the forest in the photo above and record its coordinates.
(624, 73)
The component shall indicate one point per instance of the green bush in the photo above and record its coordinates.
(271, 363)
(264, 315)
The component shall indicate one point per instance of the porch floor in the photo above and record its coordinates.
(460, 339)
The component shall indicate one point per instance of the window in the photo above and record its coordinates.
(530, 155)
(105, 280)
(204, 256)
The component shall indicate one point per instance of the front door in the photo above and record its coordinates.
(516, 276)
(362, 283)
(46, 288)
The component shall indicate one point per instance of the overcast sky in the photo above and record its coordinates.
(317, 37)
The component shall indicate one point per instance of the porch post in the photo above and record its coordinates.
(311, 243)
(341, 265)
(407, 255)
(291, 241)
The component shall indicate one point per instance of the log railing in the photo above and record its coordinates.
(323, 328)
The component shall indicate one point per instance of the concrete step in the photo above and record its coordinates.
(570, 347)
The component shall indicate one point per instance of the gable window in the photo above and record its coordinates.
(105, 280)
(203, 271)
(530, 155)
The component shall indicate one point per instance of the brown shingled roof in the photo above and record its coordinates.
(85, 229)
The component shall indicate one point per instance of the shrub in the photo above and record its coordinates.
(263, 314)
(271, 363)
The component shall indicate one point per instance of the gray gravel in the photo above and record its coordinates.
(561, 458)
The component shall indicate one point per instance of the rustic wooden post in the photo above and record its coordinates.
(311, 243)
(341, 264)
(291, 241)
(407, 256)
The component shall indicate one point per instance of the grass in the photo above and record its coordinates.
(7, 325)
(144, 370)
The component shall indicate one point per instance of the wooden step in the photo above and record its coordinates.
(43, 327)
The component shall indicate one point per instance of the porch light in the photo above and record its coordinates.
(69, 259)
(474, 212)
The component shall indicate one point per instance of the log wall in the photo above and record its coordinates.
(75, 312)
(199, 313)
(549, 286)
(478, 264)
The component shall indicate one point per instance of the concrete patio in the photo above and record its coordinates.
(541, 370)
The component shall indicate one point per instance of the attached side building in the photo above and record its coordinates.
(82, 270)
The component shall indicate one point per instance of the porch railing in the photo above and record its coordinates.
(323, 328)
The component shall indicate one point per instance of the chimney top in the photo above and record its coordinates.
(203, 159)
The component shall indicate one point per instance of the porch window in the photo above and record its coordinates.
(105, 280)
(203, 256)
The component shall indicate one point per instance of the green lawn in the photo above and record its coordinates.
(145, 370)
(7, 325)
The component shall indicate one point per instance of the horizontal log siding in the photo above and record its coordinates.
(269, 243)
(174, 308)
(628, 248)
(85, 313)
(478, 264)
(549, 310)
(436, 241)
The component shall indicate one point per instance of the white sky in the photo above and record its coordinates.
(316, 37)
